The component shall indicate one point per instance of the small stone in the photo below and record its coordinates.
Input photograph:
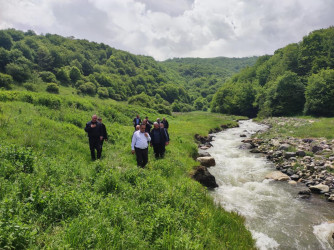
(320, 188)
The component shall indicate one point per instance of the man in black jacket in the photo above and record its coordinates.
(136, 121)
(104, 132)
(158, 140)
(165, 122)
(95, 135)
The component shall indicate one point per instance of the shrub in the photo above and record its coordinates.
(103, 92)
(52, 88)
(30, 86)
(48, 76)
(5, 81)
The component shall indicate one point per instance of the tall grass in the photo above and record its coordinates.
(67, 201)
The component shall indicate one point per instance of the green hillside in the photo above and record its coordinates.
(53, 196)
(297, 79)
(204, 76)
(46, 62)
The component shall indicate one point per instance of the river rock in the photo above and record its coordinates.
(316, 149)
(203, 176)
(284, 147)
(295, 177)
(207, 161)
(300, 153)
(204, 154)
(246, 146)
(319, 188)
(304, 194)
(288, 155)
(255, 151)
(331, 198)
(293, 183)
(243, 135)
(277, 176)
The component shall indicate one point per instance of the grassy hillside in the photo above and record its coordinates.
(94, 69)
(53, 196)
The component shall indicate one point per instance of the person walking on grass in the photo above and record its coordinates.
(136, 121)
(104, 132)
(95, 135)
(165, 122)
(139, 146)
(162, 127)
(158, 140)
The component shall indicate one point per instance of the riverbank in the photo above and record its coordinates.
(305, 160)
(276, 216)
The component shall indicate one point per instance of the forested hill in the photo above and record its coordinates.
(297, 79)
(204, 76)
(51, 62)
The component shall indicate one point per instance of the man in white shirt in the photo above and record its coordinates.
(139, 145)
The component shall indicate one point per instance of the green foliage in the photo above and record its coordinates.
(6, 40)
(52, 88)
(30, 86)
(5, 81)
(47, 76)
(278, 81)
(52, 195)
(286, 95)
(320, 94)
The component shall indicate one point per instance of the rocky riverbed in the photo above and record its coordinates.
(308, 160)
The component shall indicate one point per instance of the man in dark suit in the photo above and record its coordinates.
(158, 140)
(165, 122)
(104, 132)
(95, 135)
(136, 121)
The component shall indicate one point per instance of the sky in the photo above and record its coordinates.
(174, 28)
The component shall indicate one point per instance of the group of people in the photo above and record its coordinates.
(143, 136)
(158, 138)
(97, 134)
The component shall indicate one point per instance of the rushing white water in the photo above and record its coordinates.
(274, 214)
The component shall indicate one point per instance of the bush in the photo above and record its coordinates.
(48, 76)
(5, 81)
(52, 88)
(103, 92)
(30, 86)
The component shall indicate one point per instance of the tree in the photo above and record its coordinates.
(5, 81)
(6, 40)
(320, 94)
(286, 95)
(75, 74)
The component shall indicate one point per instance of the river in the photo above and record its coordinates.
(275, 215)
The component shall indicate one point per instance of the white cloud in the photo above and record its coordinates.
(170, 28)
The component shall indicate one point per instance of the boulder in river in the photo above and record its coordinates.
(203, 154)
(320, 188)
(203, 176)
(207, 161)
(304, 194)
(277, 176)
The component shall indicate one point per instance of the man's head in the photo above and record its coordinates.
(142, 128)
(164, 119)
(156, 125)
(158, 119)
(145, 121)
(94, 118)
(137, 127)
(99, 119)
(137, 116)
(162, 125)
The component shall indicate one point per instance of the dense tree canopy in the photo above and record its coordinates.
(99, 70)
(296, 78)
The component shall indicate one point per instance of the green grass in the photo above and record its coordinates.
(302, 127)
(53, 196)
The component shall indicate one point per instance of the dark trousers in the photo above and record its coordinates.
(142, 156)
(95, 143)
(159, 150)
